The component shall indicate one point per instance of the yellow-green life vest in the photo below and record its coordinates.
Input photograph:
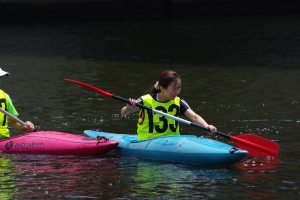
(151, 125)
(6, 104)
(4, 132)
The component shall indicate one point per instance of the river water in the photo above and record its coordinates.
(240, 73)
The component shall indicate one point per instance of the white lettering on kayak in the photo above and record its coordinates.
(35, 144)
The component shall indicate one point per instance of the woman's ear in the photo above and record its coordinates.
(161, 88)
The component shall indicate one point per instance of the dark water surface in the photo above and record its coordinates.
(239, 73)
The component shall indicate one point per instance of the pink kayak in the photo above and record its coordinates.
(56, 143)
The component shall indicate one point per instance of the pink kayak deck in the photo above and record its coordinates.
(56, 143)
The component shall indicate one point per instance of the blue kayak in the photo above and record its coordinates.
(187, 149)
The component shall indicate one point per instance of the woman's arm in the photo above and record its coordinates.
(129, 108)
(28, 128)
(197, 119)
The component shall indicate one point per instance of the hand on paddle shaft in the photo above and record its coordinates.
(254, 144)
(28, 126)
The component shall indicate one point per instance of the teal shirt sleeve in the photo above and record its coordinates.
(10, 107)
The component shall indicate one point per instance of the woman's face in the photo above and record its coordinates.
(173, 90)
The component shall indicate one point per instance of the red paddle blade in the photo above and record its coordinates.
(90, 87)
(256, 145)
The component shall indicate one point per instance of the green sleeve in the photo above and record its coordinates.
(10, 107)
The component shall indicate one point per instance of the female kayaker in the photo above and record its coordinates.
(162, 96)
(6, 104)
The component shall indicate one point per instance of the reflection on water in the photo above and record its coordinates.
(264, 170)
(33, 176)
(177, 181)
(152, 180)
(36, 176)
(7, 177)
(258, 167)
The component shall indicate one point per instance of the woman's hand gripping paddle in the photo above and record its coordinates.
(254, 144)
(13, 117)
